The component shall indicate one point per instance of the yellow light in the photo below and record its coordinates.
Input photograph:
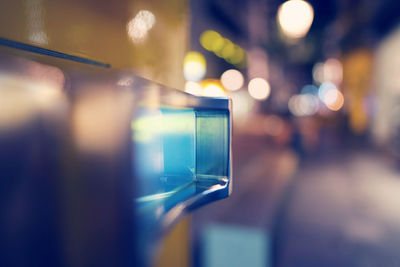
(222, 47)
(217, 45)
(212, 88)
(295, 18)
(139, 26)
(194, 66)
(193, 88)
(238, 56)
(208, 38)
(228, 50)
(259, 89)
(232, 80)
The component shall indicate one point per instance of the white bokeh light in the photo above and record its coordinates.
(194, 66)
(213, 90)
(139, 26)
(259, 89)
(232, 79)
(193, 88)
(295, 18)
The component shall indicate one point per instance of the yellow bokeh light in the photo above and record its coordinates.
(194, 66)
(238, 56)
(208, 38)
(228, 50)
(212, 88)
(232, 79)
(223, 48)
(259, 89)
(295, 18)
(217, 45)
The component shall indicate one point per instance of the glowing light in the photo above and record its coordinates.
(125, 81)
(222, 47)
(334, 100)
(318, 73)
(217, 45)
(208, 38)
(330, 71)
(295, 18)
(324, 89)
(36, 27)
(232, 80)
(303, 105)
(194, 66)
(139, 26)
(331, 96)
(238, 56)
(213, 89)
(193, 88)
(229, 49)
(259, 89)
(333, 71)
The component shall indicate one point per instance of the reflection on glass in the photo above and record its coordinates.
(179, 152)
(35, 23)
(140, 25)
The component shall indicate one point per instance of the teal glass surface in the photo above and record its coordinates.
(179, 152)
(212, 145)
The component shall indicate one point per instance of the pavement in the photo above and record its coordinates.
(340, 209)
(343, 210)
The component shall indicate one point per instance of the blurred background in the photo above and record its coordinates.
(315, 89)
(316, 103)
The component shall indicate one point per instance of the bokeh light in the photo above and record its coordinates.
(232, 79)
(223, 48)
(331, 96)
(329, 71)
(295, 18)
(237, 57)
(318, 72)
(194, 66)
(193, 88)
(303, 105)
(229, 49)
(139, 26)
(333, 71)
(324, 89)
(208, 38)
(259, 89)
(334, 100)
(213, 89)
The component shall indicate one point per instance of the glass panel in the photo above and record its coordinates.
(164, 145)
(212, 144)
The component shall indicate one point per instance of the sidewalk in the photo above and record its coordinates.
(344, 211)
